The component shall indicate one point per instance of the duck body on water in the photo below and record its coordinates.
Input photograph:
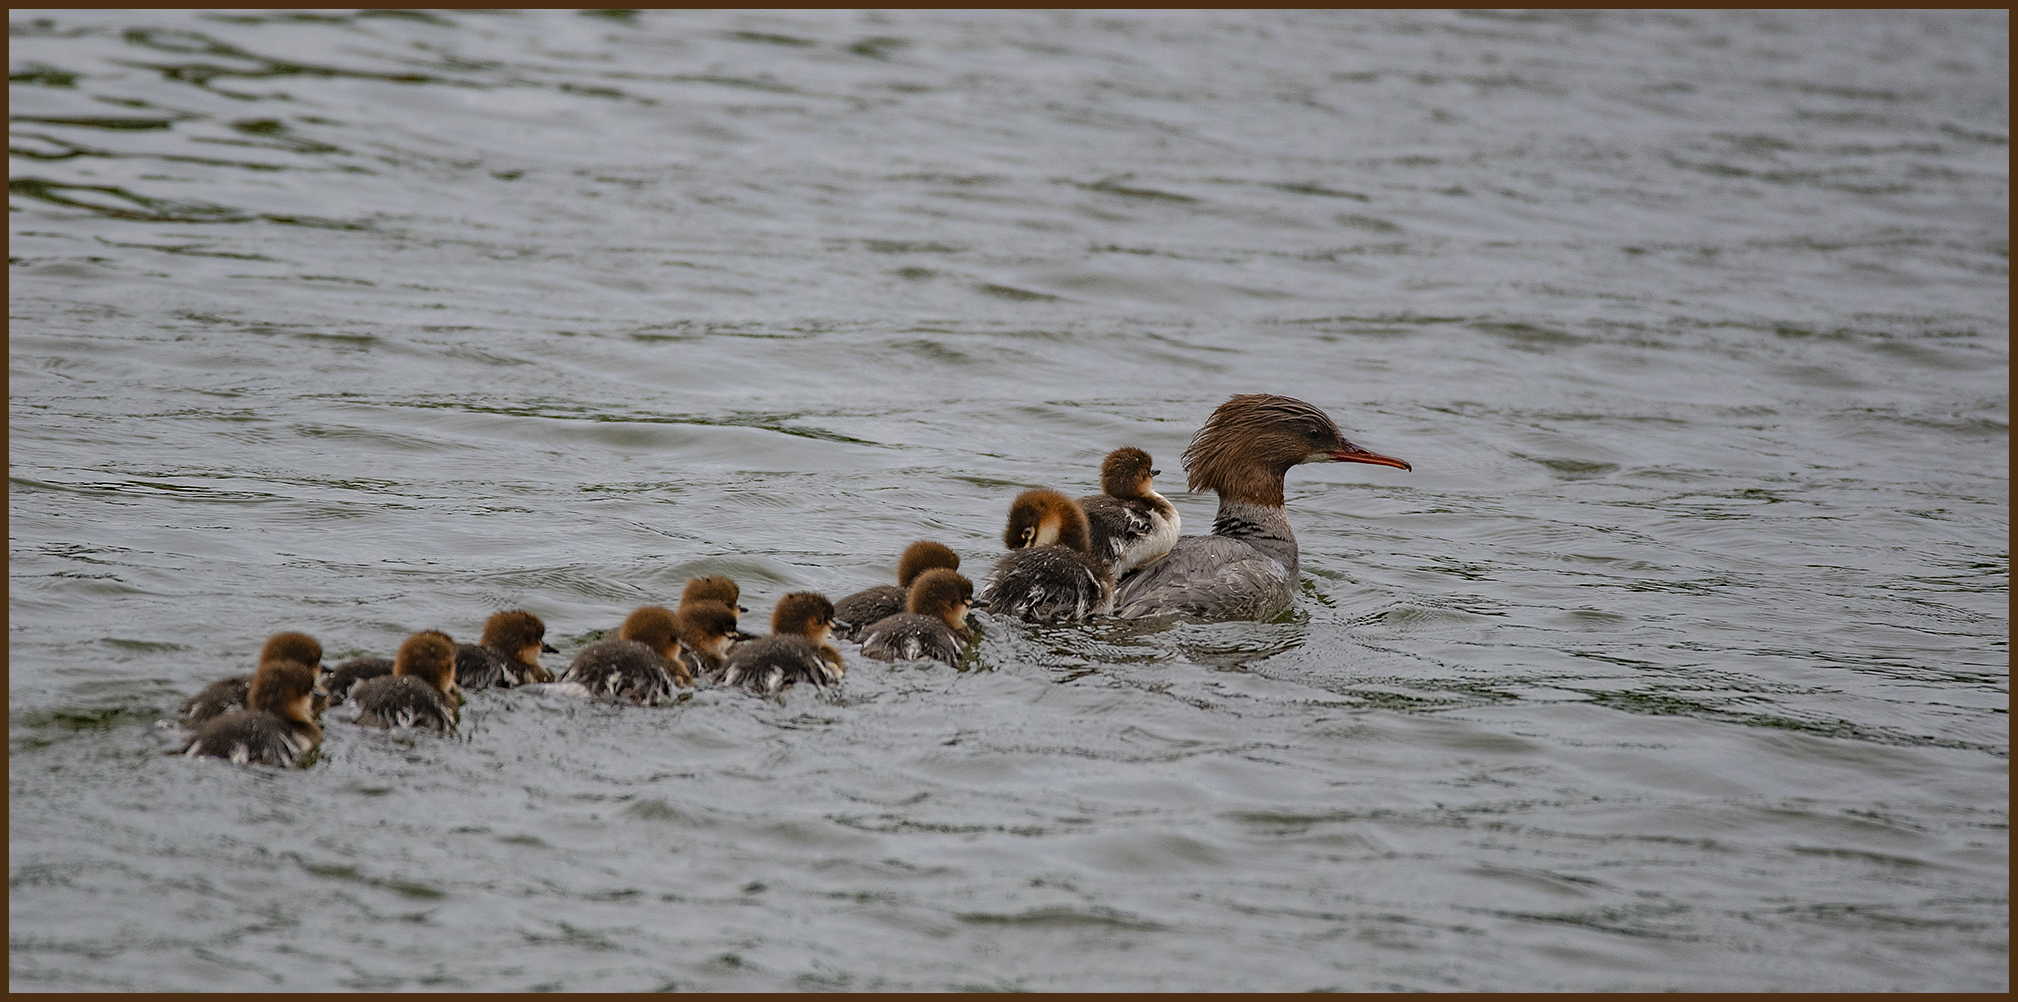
(933, 626)
(1117, 552)
(1050, 574)
(275, 727)
(1246, 569)
(421, 691)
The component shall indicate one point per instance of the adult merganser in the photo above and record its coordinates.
(1247, 568)
(935, 625)
(1132, 524)
(1049, 575)
(221, 697)
(796, 651)
(855, 614)
(509, 654)
(707, 628)
(642, 665)
(420, 692)
(275, 728)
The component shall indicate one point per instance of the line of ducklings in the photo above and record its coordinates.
(1065, 557)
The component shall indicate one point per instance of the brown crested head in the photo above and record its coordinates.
(654, 626)
(806, 613)
(513, 631)
(429, 656)
(297, 647)
(284, 688)
(1044, 517)
(1126, 473)
(923, 556)
(715, 588)
(705, 623)
(1253, 439)
(939, 593)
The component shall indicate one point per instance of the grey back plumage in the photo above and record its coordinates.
(865, 608)
(622, 670)
(216, 700)
(909, 636)
(1245, 570)
(345, 677)
(769, 664)
(250, 737)
(1049, 584)
(478, 667)
(403, 701)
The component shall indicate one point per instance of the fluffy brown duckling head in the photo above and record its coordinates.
(715, 588)
(430, 656)
(284, 688)
(1253, 439)
(1127, 473)
(299, 648)
(1043, 517)
(708, 626)
(922, 556)
(943, 595)
(519, 634)
(805, 613)
(655, 627)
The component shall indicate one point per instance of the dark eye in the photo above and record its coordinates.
(1313, 434)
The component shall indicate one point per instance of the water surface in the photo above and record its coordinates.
(1679, 662)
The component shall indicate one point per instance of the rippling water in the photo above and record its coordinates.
(1679, 662)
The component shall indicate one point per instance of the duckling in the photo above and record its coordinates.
(275, 728)
(642, 665)
(509, 654)
(1132, 524)
(797, 650)
(707, 629)
(339, 681)
(219, 698)
(1246, 569)
(420, 692)
(1049, 577)
(934, 627)
(716, 588)
(855, 614)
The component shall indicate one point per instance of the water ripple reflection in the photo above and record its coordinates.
(1679, 662)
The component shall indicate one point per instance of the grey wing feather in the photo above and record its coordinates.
(1049, 584)
(478, 667)
(402, 701)
(911, 637)
(622, 669)
(1209, 576)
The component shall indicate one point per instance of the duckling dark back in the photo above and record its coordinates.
(641, 664)
(345, 677)
(796, 651)
(275, 728)
(420, 692)
(935, 627)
